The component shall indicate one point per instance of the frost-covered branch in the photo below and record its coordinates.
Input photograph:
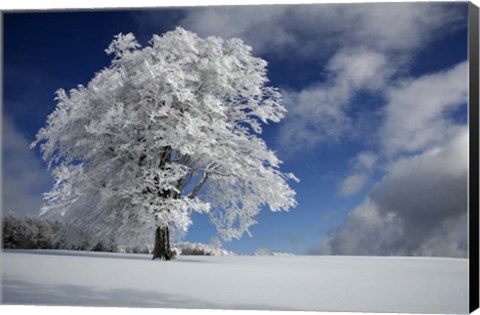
(198, 186)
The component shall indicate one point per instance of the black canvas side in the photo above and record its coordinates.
(473, 39)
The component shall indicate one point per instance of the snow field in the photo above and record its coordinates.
(322, 283)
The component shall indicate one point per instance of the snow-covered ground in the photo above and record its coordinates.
(325, 283)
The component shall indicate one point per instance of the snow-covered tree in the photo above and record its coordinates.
(199, 249)
(26, 232)
(166, 130)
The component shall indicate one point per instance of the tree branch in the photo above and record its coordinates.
(198, 186)
(182, 182)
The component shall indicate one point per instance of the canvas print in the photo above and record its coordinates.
(273, 157)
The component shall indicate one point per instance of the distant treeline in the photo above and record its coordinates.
(39, 233)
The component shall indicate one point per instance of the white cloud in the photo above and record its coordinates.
(416, 118)
(360, 168)
(352, 184)
(261, 26)
(403, 27)
(365, 161)
(24, 179)
(318, 113)
(314, 115)
(359, 69)
(419, 208)
(365, 231)
(311, 31)
(418, 110)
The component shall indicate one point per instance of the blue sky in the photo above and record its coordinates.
(375, 130)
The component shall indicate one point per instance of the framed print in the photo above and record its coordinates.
(302, 157)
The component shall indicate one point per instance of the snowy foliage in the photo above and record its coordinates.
(187, 248)
(269, 252)
(166, 130)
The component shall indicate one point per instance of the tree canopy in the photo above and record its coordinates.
(166, 130)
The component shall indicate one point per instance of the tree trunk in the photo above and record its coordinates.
(162, 248)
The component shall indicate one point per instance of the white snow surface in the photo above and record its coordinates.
(321, 283)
